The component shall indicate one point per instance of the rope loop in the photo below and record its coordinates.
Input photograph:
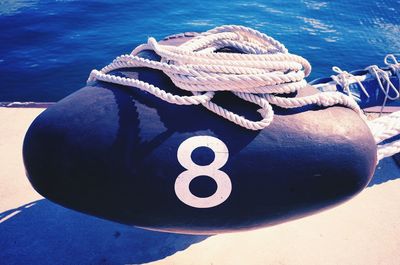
(394, 65)
(383, 77)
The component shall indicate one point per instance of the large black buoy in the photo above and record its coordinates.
(122, 154)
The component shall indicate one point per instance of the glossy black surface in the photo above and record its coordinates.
(111, 151)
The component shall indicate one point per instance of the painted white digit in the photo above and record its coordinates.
(224, 185)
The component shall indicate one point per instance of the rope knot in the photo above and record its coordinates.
(343, 79)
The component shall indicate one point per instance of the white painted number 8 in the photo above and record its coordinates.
(224, 185)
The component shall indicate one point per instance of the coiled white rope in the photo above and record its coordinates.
(385, 127)
(262, 69)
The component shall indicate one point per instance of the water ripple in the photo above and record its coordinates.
(12, 7)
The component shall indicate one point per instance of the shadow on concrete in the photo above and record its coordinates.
(44, 233)
(386, 170)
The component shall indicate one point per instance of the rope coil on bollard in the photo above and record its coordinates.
(259, 73)
(263, 66)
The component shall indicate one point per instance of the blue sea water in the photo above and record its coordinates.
(48, 48)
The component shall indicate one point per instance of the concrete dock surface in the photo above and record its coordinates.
(33, 230)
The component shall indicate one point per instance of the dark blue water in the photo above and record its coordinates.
(47, 48)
